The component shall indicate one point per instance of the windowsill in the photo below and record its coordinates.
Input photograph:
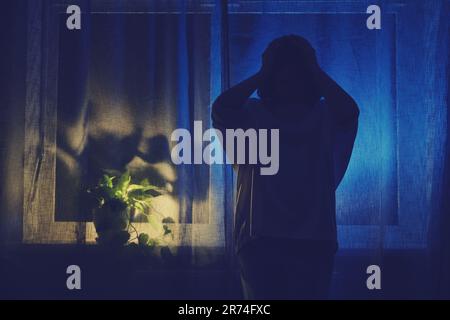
(39, 271)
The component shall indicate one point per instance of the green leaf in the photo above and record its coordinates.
(143, 239)
(137, 189)
(138, 206)
(112, 172)
(105, 187)
(133, 187)
(107, 181)
(123, 183)
(137, 198)
(153, 242)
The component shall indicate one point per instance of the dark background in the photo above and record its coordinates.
(399, 175)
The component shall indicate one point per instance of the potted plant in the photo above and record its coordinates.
(117, 200)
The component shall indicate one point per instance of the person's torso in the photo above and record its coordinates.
(299, 201)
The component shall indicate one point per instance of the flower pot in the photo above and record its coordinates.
(111, 223)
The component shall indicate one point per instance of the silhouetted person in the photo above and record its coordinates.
(285, 224)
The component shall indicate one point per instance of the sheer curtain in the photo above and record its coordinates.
(142, 69)
(139, 69)
(127, 80)
(392, 202)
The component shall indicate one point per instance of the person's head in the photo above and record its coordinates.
(288, 63)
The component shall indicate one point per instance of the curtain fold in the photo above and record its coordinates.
(126, 83)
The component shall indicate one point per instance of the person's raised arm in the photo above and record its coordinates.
(343, 107)
(345, 114)
(227, 109)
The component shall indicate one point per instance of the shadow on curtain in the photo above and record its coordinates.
(126, 81)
